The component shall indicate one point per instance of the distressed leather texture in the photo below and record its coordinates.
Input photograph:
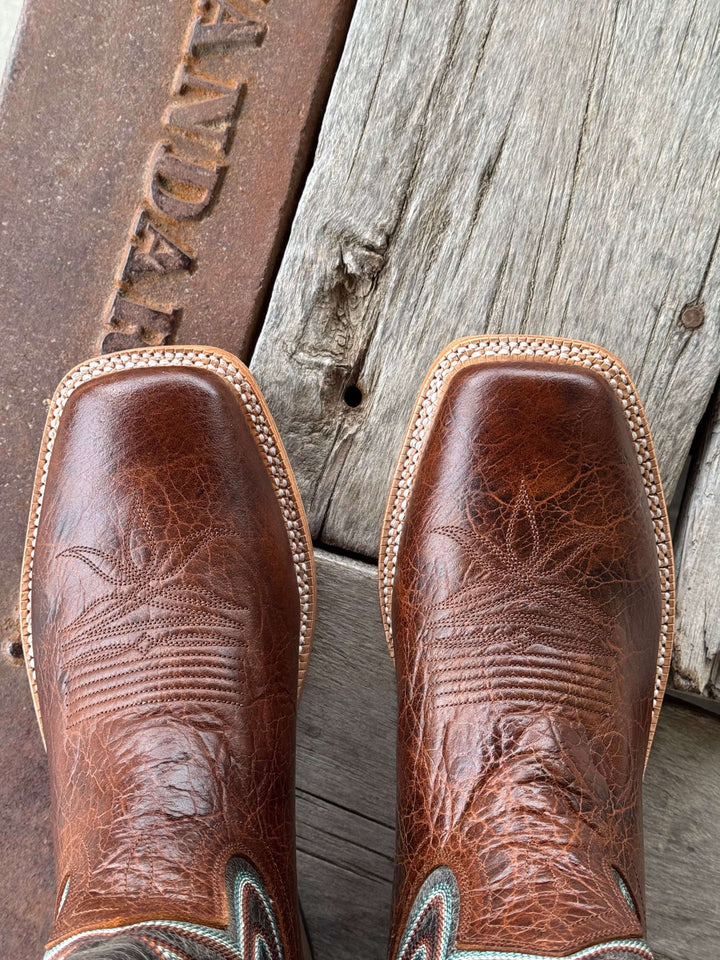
(526, 616)
(165, 628)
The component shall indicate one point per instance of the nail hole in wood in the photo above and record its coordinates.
(14, 650)
(353, 396)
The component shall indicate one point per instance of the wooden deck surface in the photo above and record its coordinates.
(483, 166)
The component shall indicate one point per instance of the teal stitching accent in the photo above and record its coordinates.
(438, 902)
(625, 890)
(231, 941)
(638, 947)
(63, 898)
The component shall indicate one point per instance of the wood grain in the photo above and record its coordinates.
(346, 791)
(696, 662)
(494, 166)
(682, 811)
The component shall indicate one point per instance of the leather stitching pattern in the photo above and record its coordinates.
(515, 592)
(139, 636)
(526, 611)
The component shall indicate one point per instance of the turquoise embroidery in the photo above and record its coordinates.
(431, 930)
(63, 896)
(625, 890)
(252, 934)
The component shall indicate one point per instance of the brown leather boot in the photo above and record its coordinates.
(527, 588)
(168, 602)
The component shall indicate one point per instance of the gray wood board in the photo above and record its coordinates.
(696, 661)
(346, 791)
(486, 167)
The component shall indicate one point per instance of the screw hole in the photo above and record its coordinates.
(353, 396)
(15, 650)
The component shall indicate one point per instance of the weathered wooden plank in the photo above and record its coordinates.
(27, 878)
(682, 808)
(494, 166)
(346, 783)
(696, 661)
(350, 714)
(339, 863)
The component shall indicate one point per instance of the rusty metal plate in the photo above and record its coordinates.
(151, 153)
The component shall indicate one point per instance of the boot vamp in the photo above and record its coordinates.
(165, 633)
(526, 618)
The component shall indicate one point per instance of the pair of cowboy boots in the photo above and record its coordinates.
(168, 604)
